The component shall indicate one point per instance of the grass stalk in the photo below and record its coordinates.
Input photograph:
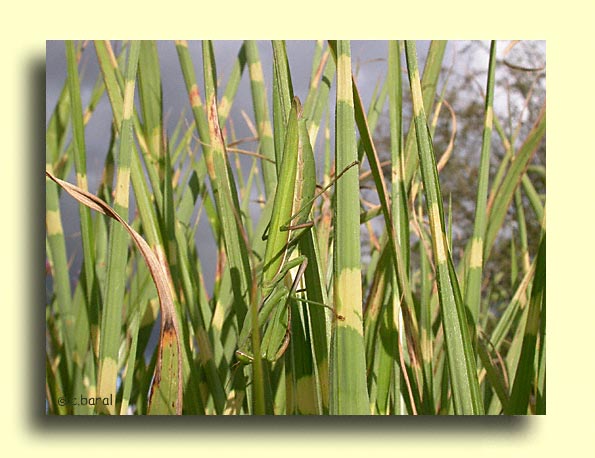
(348, 385)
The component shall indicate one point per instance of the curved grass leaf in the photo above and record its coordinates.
(166, 390)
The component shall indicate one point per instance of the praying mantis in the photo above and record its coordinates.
(289, 219)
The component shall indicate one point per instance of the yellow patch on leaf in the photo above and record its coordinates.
(418, 102)
(81, 181)
(122, 187)
(312, 130)
(438, 235)
(489, 118)
(108, 375)
(265, 129)
(348, 298)
(344, 91)
(224, 107)
(128, 100)
(476, 258)
(53, 222)
(155, 139)
(256, 72)
(218, 318)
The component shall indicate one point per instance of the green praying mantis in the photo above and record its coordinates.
(292, 204)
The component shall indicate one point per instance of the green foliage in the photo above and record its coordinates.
(361, 295)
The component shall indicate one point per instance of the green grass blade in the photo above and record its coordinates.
(503, 197)
(226, 102)
(461, 358)
(150, 97)
(225, 191)
(111, 319)
(228, 207)
(282, 97)
(349, 393)
(475, 269)
(526, 369)
(318, 316)
(57, 128)
(541, 380)
(58, 265)
(429, 83)
(534, 198)
(80, 161)
(374, 114)
(380, 336)
(396, 251)
(262, 117)
(399, 210)
(320, 100)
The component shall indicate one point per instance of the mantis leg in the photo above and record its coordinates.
(276, 337)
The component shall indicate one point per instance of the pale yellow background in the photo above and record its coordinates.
(569, 427)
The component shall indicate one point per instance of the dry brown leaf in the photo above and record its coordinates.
(169, 325)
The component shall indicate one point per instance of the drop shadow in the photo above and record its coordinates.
(244, 428)
(35, 300)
